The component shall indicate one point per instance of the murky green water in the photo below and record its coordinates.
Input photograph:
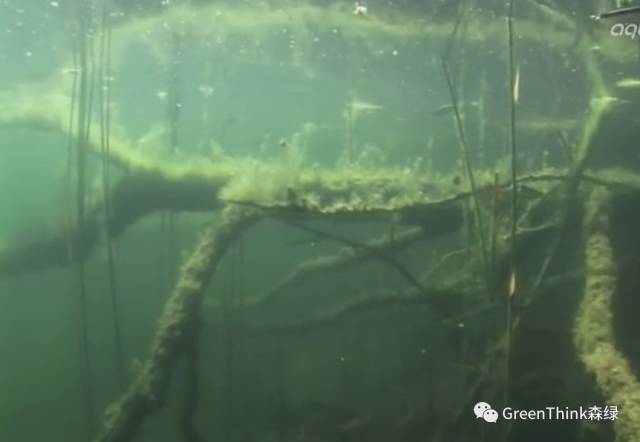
(282, 221)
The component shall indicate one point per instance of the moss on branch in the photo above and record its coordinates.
(171, 339)
(593, 331)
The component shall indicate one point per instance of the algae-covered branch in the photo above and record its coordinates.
(318, 221)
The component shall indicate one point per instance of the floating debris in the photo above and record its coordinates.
(629, 83)
(359, 8)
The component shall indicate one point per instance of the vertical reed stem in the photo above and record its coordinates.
(84, 118)
(105, 126)
(514, 209)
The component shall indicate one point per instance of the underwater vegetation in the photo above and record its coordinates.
(299, 221)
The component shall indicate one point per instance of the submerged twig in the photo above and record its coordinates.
(340, 260)
(374, 252)
(433, 297)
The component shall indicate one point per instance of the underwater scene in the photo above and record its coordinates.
(319, 221)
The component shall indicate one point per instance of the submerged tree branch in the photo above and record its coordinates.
(344, 258)
(171, 341)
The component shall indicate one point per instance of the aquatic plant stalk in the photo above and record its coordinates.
(229, 341)
(71, 150)
(169, 220)
(192, 381)
(84, 118)
(349, 122)
(466, 157)
(513, 281)
(494, 224)
(104, 85)
(280, 368)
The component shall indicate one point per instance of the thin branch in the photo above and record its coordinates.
(374, 252)
(342, 259)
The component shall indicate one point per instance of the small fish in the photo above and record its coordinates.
(606, 101)
(450, 108)
(355, 423)
(310, 241)
(362, 106)
(71, 71)
(516, 86)
(512, 284)
(629, 83)
(162, 95)
(617, 12)
(356, 108)
(206, 90)
(406, 419)
(456, 180)
(443, 110)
